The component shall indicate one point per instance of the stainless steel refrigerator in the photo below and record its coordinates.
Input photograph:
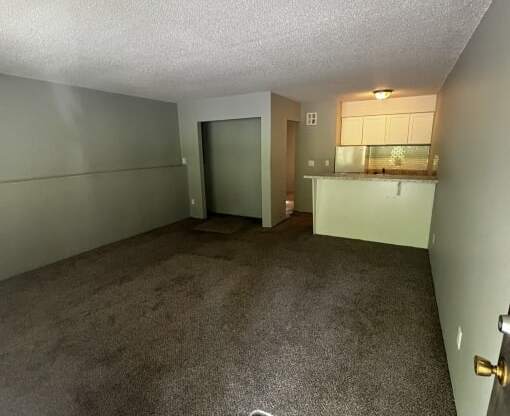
(351, 159)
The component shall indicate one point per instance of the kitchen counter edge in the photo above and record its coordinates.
(375, 177)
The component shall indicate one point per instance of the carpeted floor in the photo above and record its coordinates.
(182, 322)
(224, 224)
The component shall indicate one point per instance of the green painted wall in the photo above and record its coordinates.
(82, 168)
(49, 129)
(193, 112)
(314, 143)
(232, 167)
(470, 259)
(273, 111)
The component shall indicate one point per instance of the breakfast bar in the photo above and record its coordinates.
(394, 209)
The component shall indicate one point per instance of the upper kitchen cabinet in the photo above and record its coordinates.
(374, 130)
(420, 128)
(397, 129)
(352, 131)
(395, 121)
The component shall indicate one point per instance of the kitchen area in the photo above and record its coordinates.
(383, 185)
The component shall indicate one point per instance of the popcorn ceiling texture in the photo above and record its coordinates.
(172, 50)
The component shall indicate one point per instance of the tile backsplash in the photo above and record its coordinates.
(397, 159)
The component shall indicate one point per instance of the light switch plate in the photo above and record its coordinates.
(326, 162)
(184, 161)
(311, 163)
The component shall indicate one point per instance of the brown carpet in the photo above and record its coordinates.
(225, 224)
(180, 322)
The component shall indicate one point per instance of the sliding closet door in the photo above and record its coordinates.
(232, 166)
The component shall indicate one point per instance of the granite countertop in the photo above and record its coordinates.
(375, 177)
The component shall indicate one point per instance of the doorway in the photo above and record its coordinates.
(232, 167)
(291, 167)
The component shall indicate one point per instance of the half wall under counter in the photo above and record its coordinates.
(393, 209)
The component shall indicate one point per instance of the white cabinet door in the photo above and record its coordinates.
(352, 131)
(397, 129)
(374, 129)
(420, 128)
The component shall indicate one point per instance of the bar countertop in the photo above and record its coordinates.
(375, 177)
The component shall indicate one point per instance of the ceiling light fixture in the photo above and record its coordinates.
(383, 94)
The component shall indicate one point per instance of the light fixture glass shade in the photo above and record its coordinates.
(383, 94)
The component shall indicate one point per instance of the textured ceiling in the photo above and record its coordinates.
(170, 50)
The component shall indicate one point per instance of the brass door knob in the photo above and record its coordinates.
(484, 368)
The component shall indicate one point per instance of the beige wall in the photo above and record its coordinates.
(291, 156)
(282, 111)
(314, 143)
(470, 257)
(416, 104)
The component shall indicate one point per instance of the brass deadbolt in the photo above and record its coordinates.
(484, 368)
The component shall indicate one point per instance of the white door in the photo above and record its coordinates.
(420, 128)
(397, 129)
(352, 131)
(374, 129)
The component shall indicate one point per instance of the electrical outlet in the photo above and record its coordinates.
(184, 161)
(311, 163)
(193, 202)
(459, 338)
(326, 162)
